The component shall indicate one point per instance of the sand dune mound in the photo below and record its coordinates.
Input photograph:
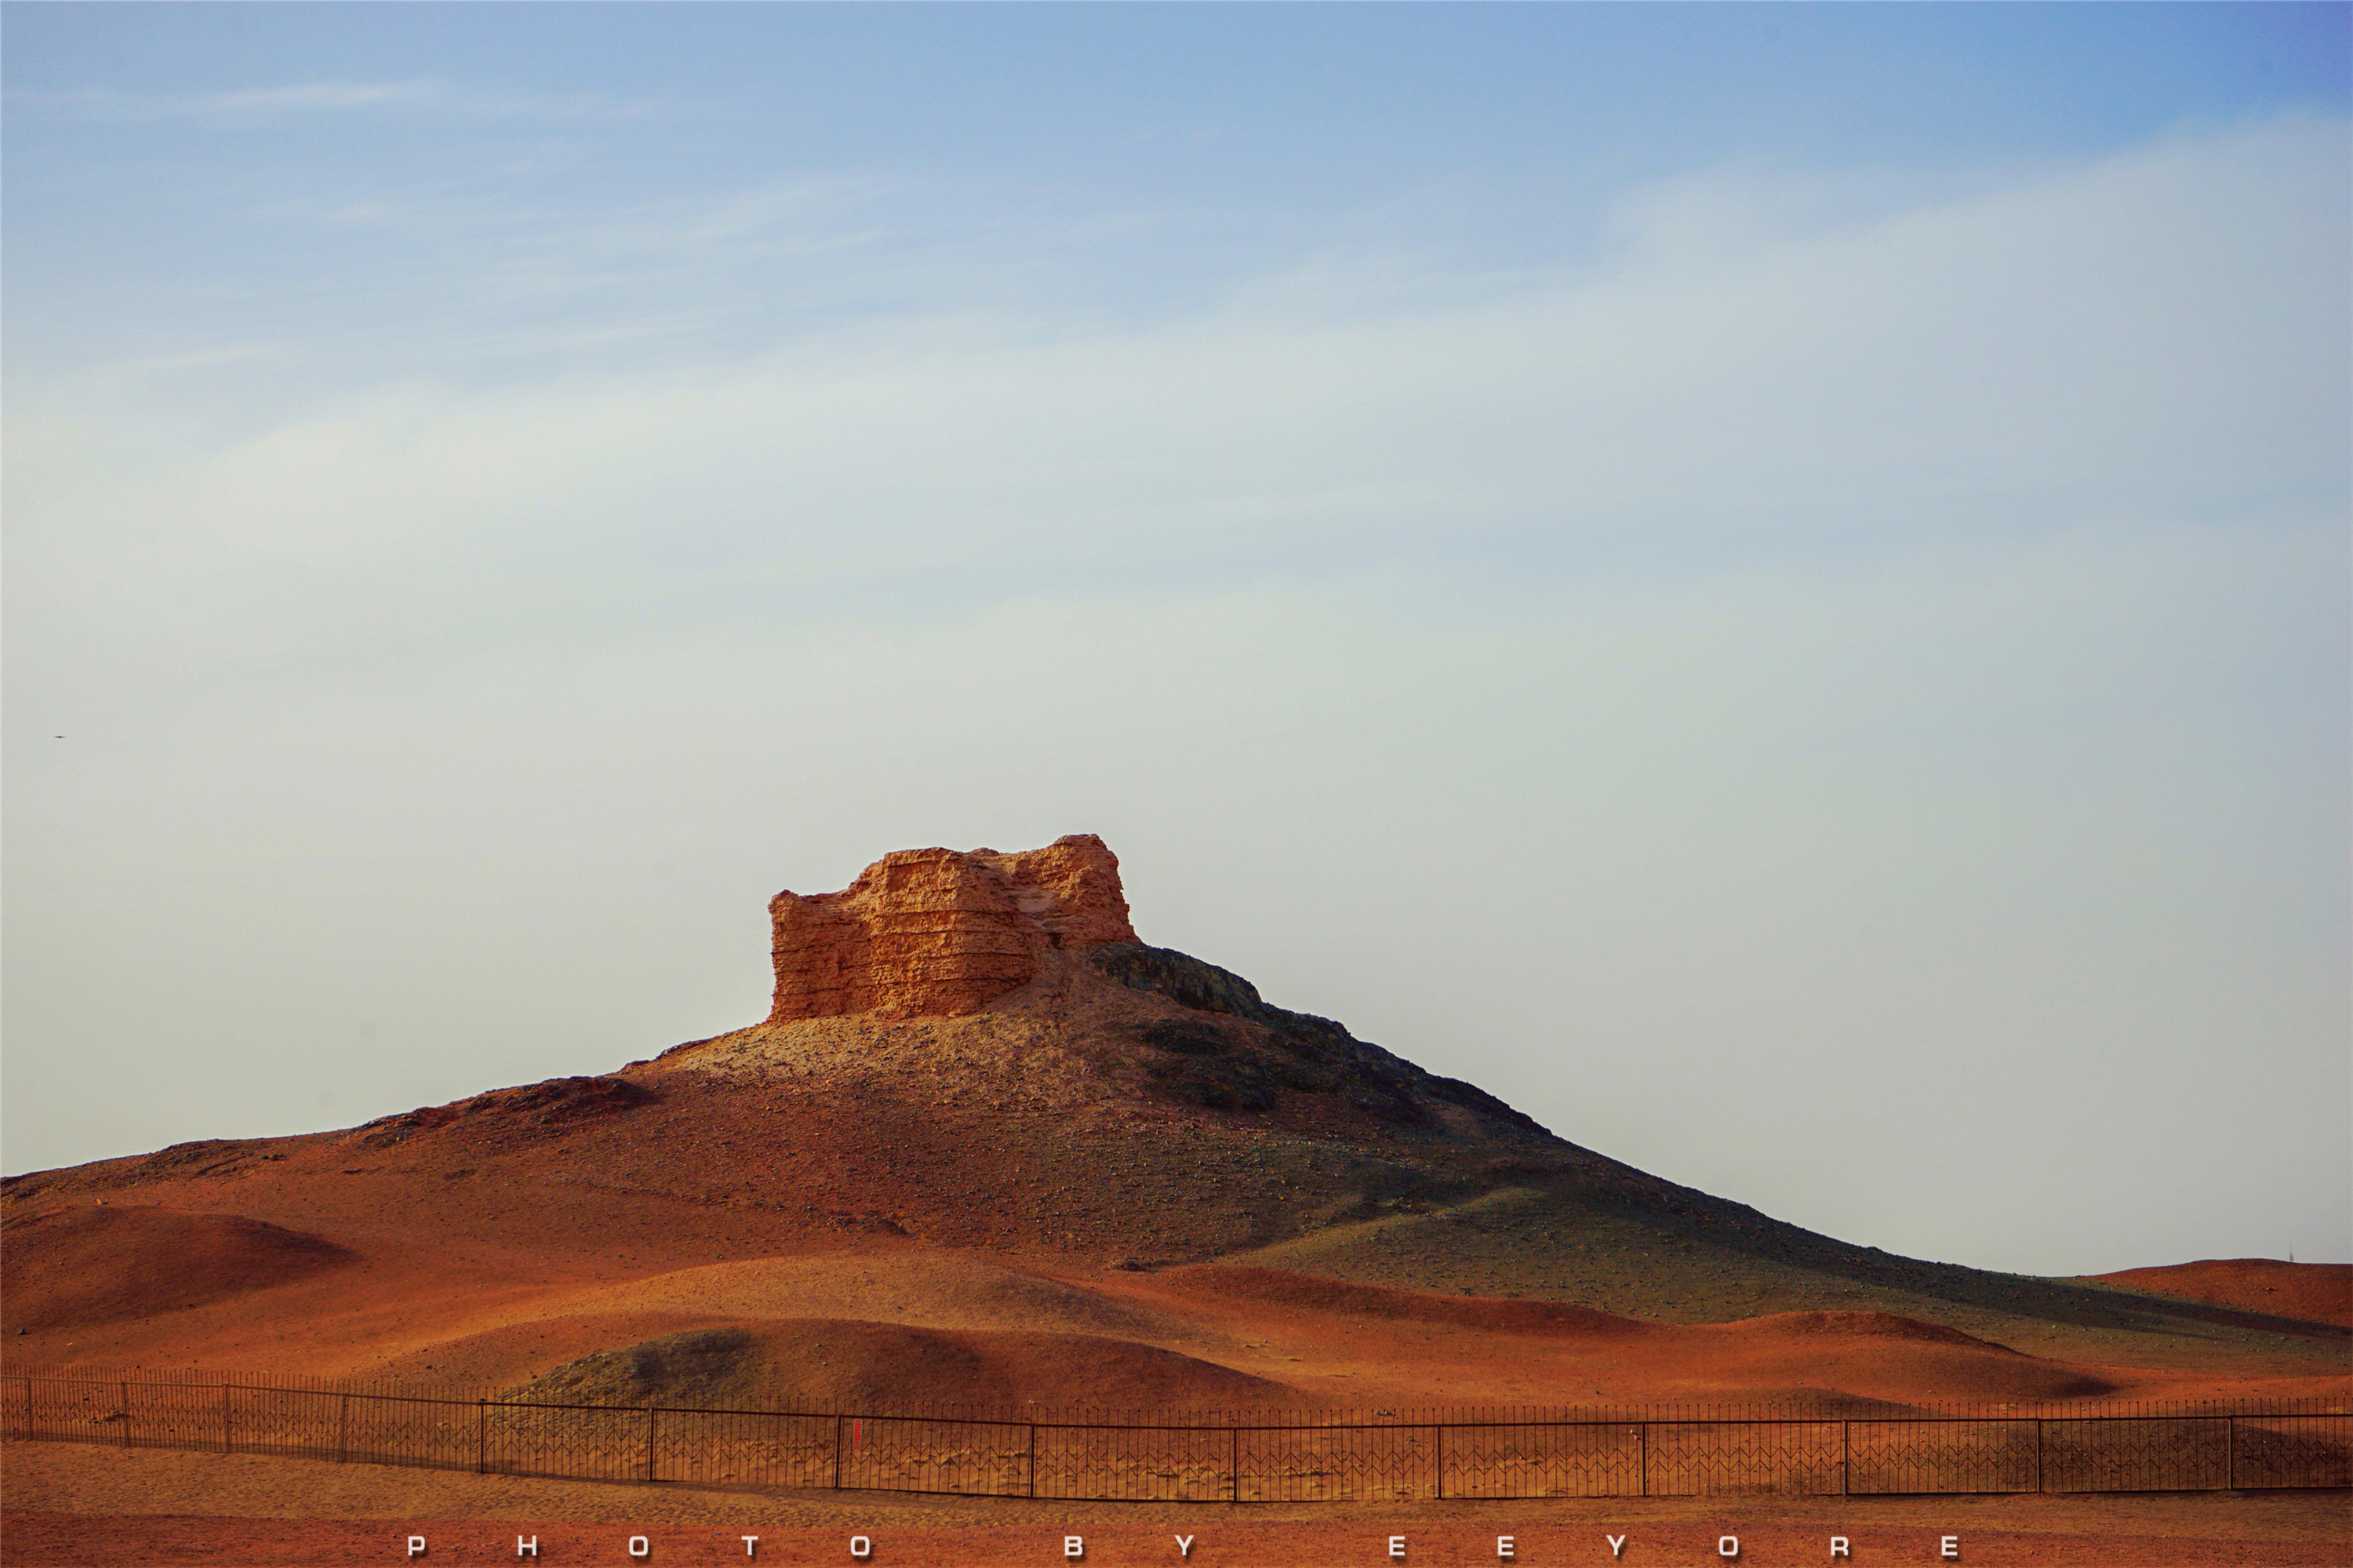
(919, 1289)
(1901, 1366)
(2311, 1292)
(712, 1368)
(831, 1364)
(106, 1261)
(1817, 1360)
(1881, 1354)
(1311, 1293)
(1854, 1326)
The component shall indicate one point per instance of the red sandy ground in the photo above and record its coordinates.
(245, 1509)
(967, 1328)
(1074, 1336)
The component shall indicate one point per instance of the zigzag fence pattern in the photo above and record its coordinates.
(1227, 1456)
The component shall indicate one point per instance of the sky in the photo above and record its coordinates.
(1769, 584)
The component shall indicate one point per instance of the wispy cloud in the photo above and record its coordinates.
(420, 95)
(2015, 361)
(322, 96)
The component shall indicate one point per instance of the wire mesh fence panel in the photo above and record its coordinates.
(2119, 1454)
(1996, 1455)
(175, 1416)
(421, 1434)
(1544, 1459)
(1306, 1464)
(1337, 1464)
(2292, 1451)
(1737, 1458)
(291, 1423)
(1294, 1464)
(744, 1448)
(118, 1412)
(611, 1443)
(87, 1410)
(913, 1453)
(1136, 1463)
(1199, 1456)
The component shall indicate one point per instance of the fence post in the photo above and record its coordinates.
(652, 1412)
(2038, 1453)
(836, 1450)
(1441, 1463)
(1234, 1461)
(124, 1390)
(1644, 1431)
(224, 1429)
(343, 1430)
(2231, 1460)
(1033, 1459)
(1846, 1458)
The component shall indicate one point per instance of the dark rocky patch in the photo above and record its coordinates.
(535, 1109)
(702, 1368)
(1308, 1053)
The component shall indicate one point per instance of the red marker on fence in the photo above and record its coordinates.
(856, 1436)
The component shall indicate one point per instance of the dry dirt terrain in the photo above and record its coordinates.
(990, 1150)
(99, 1505)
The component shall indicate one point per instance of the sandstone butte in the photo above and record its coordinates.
(976, 1089)
(935, 933)
(989, 1144)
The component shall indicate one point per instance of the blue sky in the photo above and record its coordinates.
(1757, 579)
(297, 161)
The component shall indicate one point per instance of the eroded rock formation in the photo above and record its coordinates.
(936, 932)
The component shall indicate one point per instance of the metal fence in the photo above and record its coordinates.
(1237, 1456)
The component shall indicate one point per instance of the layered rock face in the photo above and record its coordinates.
(935, 932)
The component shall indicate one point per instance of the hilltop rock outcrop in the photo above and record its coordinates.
(936, 932)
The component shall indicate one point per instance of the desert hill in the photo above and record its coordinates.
(1038, 1158)
(2315, 1292)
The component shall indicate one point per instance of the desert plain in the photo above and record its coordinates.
(991, 1152)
